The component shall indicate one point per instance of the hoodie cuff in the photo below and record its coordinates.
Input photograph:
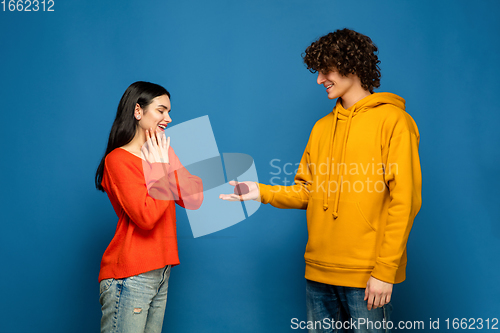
(384, 272)
(265, 193)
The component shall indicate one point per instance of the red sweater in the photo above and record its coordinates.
(145, 237)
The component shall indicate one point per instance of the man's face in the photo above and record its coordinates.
(336, 85)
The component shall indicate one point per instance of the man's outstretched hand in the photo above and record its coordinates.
(253, 192)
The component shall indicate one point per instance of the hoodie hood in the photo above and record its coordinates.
(340, 113)
(369, 102)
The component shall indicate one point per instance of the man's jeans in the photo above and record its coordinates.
(343, 309)
(134, 304)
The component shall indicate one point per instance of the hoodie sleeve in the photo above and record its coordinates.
(404, 180)
(294, 196)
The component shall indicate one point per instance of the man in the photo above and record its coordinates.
(359, 179)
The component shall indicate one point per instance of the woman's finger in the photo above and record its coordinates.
(167, 147)
(163, 141)
(160, 145)
(145, 154)
(162, 148)
(153, 138)
(145, 148)
(153, 147)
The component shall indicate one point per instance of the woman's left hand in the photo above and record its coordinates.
(155, 149)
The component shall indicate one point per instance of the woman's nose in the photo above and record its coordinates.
(167, 118)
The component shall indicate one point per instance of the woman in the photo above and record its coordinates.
(143, 178)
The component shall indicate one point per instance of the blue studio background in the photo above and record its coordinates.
(62, 74)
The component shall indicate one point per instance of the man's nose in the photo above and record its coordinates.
(321, 78)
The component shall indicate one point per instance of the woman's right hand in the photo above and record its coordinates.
(155, 149)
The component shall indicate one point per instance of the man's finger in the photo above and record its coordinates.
(374, 302)
(371, 298)
(377, 302)
(229, 197)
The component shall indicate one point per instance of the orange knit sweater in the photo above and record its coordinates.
(143, 199)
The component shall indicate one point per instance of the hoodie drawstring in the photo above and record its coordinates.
(368, 102)
(341, 171)
(326, 196)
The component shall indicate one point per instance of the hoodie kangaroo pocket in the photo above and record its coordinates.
(364, 217)
(347, 241)
(356, 238)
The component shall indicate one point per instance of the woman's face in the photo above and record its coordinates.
(156, 116)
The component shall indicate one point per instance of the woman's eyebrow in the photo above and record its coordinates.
(162, 106)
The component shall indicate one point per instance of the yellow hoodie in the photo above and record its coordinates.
(359, 179)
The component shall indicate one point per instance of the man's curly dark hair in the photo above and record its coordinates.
(346, 51)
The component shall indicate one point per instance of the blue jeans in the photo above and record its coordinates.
(134, 304)
(343, 309)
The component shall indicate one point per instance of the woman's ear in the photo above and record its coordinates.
(138, 111)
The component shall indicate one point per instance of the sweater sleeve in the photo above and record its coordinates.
(293, 196)
(187, 189)
(404, 180)
(132, 193)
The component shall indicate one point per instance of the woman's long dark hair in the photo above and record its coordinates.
(125, 124)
